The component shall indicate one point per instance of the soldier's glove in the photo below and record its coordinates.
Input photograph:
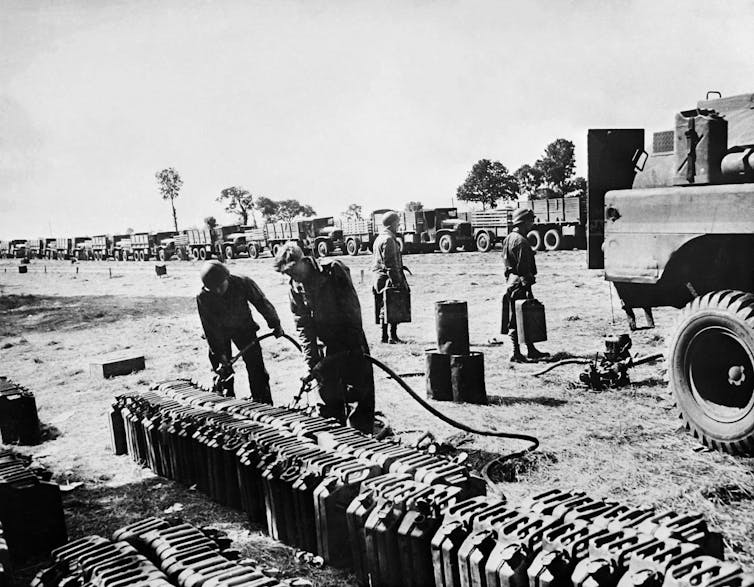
(278, 332)
(224, 371)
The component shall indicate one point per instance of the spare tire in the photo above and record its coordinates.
(711, 370)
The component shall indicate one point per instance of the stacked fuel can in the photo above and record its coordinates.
(454, 371)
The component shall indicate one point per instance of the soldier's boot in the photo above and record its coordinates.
(516, 357)
(394, 334)
(649, 317)
(534, 354)
(384, 333)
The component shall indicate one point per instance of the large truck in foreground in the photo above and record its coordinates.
(675, 227)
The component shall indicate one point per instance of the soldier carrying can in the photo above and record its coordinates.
(326, 308)
(387, 269)
(223, 306)
(520, 275)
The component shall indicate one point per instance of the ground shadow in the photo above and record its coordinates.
(52, 313)
(512, 400)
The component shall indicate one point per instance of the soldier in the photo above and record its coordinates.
(326, 308)
(224, 311)
(387, 268)
(520, 275)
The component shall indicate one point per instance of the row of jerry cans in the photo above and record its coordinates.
(565, 539)
(151, 553)
(299, 489)
(31, 508)
(19, 423)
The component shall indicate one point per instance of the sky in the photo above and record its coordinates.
(331, 103)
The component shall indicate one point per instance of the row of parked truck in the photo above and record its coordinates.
(559, 224)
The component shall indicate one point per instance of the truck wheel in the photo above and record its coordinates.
(161, 254)
(535, 240)
(253, 252)
(275, 249)
(195, 253)
(553, 240)
(447, 243)
(322, 249)
(353, 247)
(401, 244)
(228, 252)
(483, 242)
(203, 254)
(711, 370)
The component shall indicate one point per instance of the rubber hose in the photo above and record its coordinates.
(560, 364)
(496, 433)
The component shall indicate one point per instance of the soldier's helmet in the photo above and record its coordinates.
(522, 215)
(288, 255)
(213, 273)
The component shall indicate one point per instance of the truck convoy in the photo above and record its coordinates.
(675, 227)
(560, 224)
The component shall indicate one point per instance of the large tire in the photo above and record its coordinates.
(275, 249)
(553, 240)
(447, 243)
(353, 246)
(253, 251)
(484, 242)
(202, 253)
(161, 254)
(323, 249)
(535, 240)
(711, 370)
(195, 253)
(228, 252)
(401, 244)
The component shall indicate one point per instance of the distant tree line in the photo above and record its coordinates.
(552, 175)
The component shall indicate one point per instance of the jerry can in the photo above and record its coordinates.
(530, 321)
(397, 305)
(414, 536)
(507, 564)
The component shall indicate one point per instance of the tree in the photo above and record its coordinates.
(487, 182)
(557, 164)
(288, 209)
(170, 182)
(210, 222)
(129, 231)
(353, 212)
(529, 180)
(237, 201)
(414, 206)
(273, 210)
(267, 207)
(576, 187)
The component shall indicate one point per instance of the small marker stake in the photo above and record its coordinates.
(110, 271)
(362, 276)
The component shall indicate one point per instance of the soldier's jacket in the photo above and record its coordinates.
(327, 308)
(222, 315)
(387, 260)
(518, 257)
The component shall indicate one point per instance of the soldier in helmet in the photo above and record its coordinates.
(224, 311)
(387, 267)
(520, 275)
(326, 308)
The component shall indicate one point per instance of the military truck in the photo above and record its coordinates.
(35, 248)
(122, 247)
(358, 235)
(101, 246)
(81, 248)
(432, 229)
(320, 236)
(248, 240)
(675, 227)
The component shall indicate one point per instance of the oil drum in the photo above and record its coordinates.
(467, 378)
(452, 324)
(438, 376)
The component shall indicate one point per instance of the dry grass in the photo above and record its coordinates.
(624, 444)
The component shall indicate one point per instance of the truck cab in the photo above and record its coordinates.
(436, 228)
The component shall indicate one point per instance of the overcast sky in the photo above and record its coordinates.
(332, 103)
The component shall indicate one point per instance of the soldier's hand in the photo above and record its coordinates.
(278, 332)
(224, 370)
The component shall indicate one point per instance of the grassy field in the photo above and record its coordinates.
(624, 444)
